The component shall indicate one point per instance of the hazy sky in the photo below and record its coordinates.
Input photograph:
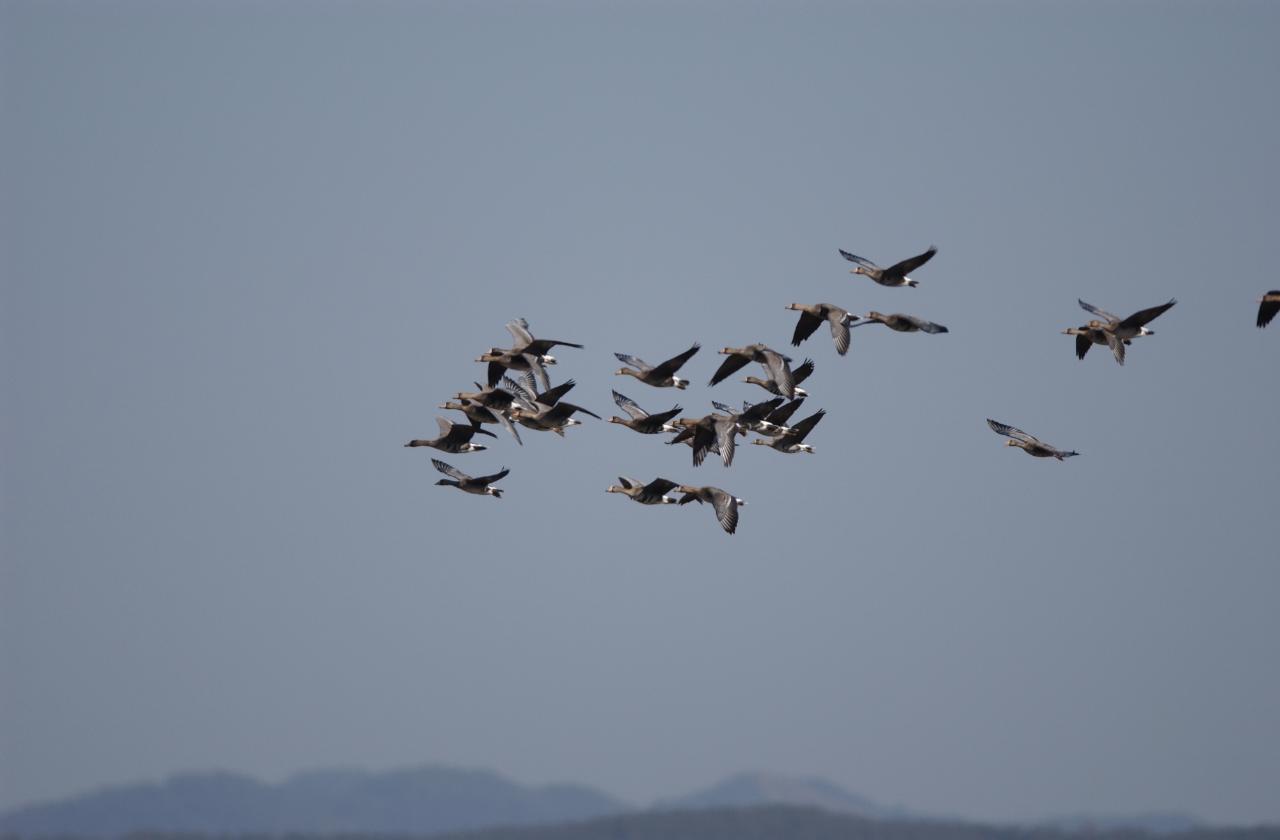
(249, 247)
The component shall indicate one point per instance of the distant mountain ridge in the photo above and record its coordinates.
(423, 800)
(442, 800)
(752, 789)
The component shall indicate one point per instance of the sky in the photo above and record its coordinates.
(249, 248)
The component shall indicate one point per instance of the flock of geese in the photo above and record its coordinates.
(529, 399)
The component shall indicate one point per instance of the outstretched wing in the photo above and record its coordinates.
(553, 396)
(1083, 343)
(1268, 307)
(639, 364)
(452, 472)
(801, 373)
(726, 509)
(730, 366)
(1101, 313)
(655, 488)
(629, 406)
(519, 329)
(912, 263)
(1145, 316)
(925, 326)
(799, 430)
(1009, 431)
(854, 258)
(1116, 345)
(805, 327)
(490, 479)
(780, 372)
(673, 364)
(782, 414)
(839, 334)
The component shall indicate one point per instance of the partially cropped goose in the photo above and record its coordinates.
(726, 504)
(526, 343)
(645, 494)
(551, 418)
(641, 420)
(792, 440)
(500, 361)
(777, 419)
(1119, 331)
(454, 437)
(480, 413)
(901, 323)
(894, 275)
(812, 316)
(478, 485)
(752, 417)
(1268, 306)
(706, 433)
(659, 376)
(798, 375)
(776, 365)
(1027, 443)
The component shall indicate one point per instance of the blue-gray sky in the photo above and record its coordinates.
(248, 248)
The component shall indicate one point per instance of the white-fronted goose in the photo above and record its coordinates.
(901, 323)
(894, 275)
(659, 376)
(812, 316)
(478, 485)
(454, 437)
(641, 420)
(754, 417)
(551, 418)
(776, 365)
(792, 440)
(1027, 443)
(725, 504)
(645, 494)
(1268, 306)
(713, 430)
(479, 413)
(501, 361)
(1087, 336)
(798, 375)
(1118, 331)
(527, 344)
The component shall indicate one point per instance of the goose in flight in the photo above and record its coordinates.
(1269, 305)
(798, 375)
(774, 363)
(1088, 336)
(812, 316)
(776, 422)
(752, 417)
(901, 323)
(526, 344)
(454, 437)
(894, 275)
(641, 420)
(478, 412)
(645, 494)
(1119, 331)
(659, 376)
(725, 504)
(792, 440)
(705, 433)
(478, 485)
(1027, 443)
